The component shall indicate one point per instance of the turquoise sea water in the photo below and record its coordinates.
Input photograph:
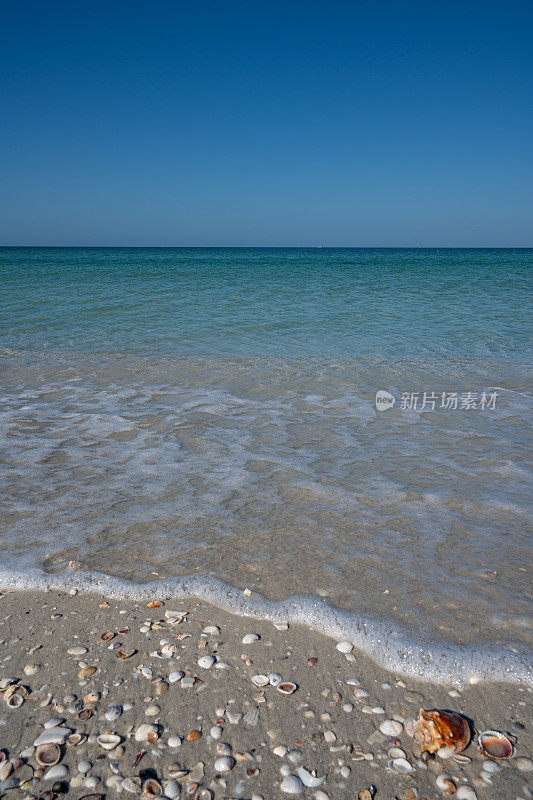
(206, 418)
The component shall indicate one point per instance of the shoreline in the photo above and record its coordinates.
(331, 723)
(388, 645)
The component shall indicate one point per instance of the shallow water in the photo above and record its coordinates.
(172, 413)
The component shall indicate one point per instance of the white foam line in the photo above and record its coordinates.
(392, 648)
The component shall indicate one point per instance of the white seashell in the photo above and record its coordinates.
(353, 682)
(344, 647)
(390, 727)
(206, 662)
(211, 630)
(250, 638)
(53, 736)
(171, 789)
(53, 723)
(287, 687)
(445, 752)
(31, 669)
(280, 750)
(281, 626)
(112, 713)
(396, 752)
(143, 732)
(260, 680)
(445, 784)
(174, 741)
(84, 767)
(234, 717)
(78, 651)
(224, 764)
(223, 749)
(274, 678)
(401, 765)
(108, 741)
(309, 780)
(188, 683)
(492, 766)
(178, 614)
(152, 710)
(378, 710)
(359, 693)
(92, 782)
(6, 770)
(215, 732)
(57, 772)
(466, 792)
(524, 764)
(291, 785)
(175, 676)
(251, 717)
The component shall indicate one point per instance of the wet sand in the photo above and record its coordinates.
(324, 725)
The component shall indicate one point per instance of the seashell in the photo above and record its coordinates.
(31, 669)
(84, 714)
(161, 688)
(108, 741)
(203, 794)
(260, 680)
(152, 788)
(155, 604)
(435, 729)
(344, 647)
(193, 736)
(177, 772)
(466, 792)
(206, 662)
(132, 785)
(14, 700)
(274, 679)
(47, 755)
(93, 797)
(6, 769)
(461, 759)
(175, 676)
(495, 744)
(310, 780)
(146, 730)
(224, 764)
(107, 636)
(251, 718)
(56, 772)
(396, 752)
(92, 697)
(287, 687)
(53, 736)
(446, 785)
(174, 741)
(112, 713)
(78, 650)
(211, 630)
(249, 638)
(390, 727)
(84, 767)
(400, 765)
(128, 654)
(291, 784)
(524, 764)
(85, 673)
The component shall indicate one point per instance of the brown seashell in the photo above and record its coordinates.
(92, 697)
(287, 687)
(152, 737)
(152, 788)
(84, 714)
(86, 673)
(495, 744)
(193, 736)
(129, 654)
(155, 604)
(47, 755)
(107, 636)
(75, 738)
(435, 729)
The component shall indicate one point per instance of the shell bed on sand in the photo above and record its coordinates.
(180, 699)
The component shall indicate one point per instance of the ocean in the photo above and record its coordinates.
(205, 421)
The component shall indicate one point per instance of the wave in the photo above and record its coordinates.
(390, 647)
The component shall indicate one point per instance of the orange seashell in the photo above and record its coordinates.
(193, 736)
(129, 654)
(435, 729)
(155, 604)
(107, 636)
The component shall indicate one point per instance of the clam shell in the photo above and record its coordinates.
(495, 744)
(287, 687)
(446, 785)
(85, 673)
(108, 741)
(152, 788)
(107, 636)
(48, 754)
(15, 700)
(84, 714)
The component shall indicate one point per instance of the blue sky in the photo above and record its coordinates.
(285, 124)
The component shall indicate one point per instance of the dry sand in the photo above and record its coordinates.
(323, 726)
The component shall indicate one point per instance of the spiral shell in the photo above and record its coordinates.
(435, 729)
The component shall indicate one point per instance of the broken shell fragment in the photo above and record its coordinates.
(85, 673)
(152, 788)
(495, 744)
(310, 780)
(107, 636)
(446, 785)
(436, 729)
(48, 754)
(127, 654)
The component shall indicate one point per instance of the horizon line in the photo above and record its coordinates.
(261, 247)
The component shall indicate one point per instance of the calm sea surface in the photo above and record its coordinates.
(169, 413)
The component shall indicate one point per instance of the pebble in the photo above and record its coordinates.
(291, 785)
(344, 647)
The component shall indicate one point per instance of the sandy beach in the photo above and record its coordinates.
(181, 686)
